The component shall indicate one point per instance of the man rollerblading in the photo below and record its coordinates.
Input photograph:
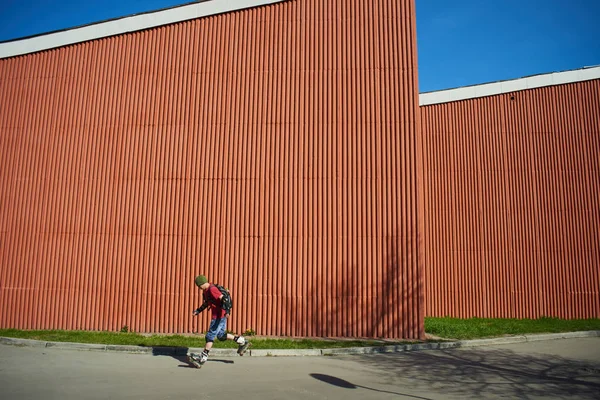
(219, 300)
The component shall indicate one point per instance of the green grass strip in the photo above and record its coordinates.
(446, 328)
(477, 328)
(117, 338)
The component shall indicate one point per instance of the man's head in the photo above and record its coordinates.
(202, 282)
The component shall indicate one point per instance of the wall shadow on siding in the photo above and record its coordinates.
(383, 310)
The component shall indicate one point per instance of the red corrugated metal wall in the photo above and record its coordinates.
(512, 204)
(273, 149)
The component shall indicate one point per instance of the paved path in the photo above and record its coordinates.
(568, 368)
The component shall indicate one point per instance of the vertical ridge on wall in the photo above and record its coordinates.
(511, 204)
(274, 149)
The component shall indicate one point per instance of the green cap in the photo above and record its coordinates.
(200, 280)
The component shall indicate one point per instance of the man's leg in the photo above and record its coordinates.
(238, 339)
(213, 331)
(243, 344)
(220, 331)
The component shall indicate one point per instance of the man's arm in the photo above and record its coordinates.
(201, 308)
(226, 304)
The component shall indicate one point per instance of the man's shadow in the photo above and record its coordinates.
(180, 354)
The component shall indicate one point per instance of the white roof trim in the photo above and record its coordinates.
(491, 89)
(127, 24)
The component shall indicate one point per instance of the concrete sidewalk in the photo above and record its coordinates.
(301, 352)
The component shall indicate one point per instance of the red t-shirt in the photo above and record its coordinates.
(212, 295)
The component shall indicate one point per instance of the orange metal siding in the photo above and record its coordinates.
(273, 149)
(511, 206)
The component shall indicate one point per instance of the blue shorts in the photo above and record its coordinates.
(218, 329)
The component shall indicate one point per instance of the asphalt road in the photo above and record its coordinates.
(568, 368)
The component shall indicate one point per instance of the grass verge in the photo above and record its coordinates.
(134, 339)
(447, 328)
(477, 328)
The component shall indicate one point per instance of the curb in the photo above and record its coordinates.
(182, 351)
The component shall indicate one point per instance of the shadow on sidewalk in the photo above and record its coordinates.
(180, 354)
(332, 380)
(489, 372)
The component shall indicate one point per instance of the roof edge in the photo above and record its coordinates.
(509, 86)
(132, 23)
(99, 22)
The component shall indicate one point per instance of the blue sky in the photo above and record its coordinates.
(460, 42)
(466, 42)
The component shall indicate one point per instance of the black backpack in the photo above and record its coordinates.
(227, 302)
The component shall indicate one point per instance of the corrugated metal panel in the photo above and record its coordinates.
(512, 205)
(272, 149)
